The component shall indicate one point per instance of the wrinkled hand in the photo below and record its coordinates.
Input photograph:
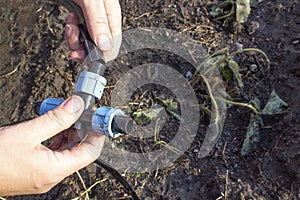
(28, 167)
(103, 20)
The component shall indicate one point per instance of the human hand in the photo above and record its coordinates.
(103, 20)
(28, 167)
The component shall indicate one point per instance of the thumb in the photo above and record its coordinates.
(57, 120)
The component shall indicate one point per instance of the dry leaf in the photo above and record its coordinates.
(242, 10)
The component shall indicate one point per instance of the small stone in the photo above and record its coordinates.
(253, 68)
(189, 75)
(167, 34)
(239, 46)
(62, 56)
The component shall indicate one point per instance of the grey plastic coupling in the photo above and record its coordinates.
(90, 83)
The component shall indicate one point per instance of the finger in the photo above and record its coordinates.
(114, 17)
(77, 55)
(113, 12)
(72, 35)
(54, 121)
(72, 18)
(97, 23)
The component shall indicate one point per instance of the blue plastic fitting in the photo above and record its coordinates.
(49, 104)
(90, 83)
(102, 120)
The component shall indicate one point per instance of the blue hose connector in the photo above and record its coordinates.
(49, 104)
(102, 121)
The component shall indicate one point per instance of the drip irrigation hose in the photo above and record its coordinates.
(118, 177)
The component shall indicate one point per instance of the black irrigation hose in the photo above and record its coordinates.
(119, 177)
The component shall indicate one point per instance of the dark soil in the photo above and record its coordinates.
(32, 42)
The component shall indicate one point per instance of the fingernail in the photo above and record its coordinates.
(68, 30)
(104, 43)
(73, 104)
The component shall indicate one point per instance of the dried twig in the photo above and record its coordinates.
(83, 184)
(10, 73)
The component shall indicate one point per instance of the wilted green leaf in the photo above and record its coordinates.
(275, 105)
(252, 135)
(242, 10)
(217, 120)
(144, 117)
(235, 69)
(227, 74)
(171, 107)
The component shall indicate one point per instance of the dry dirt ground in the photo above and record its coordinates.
(33, 48)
